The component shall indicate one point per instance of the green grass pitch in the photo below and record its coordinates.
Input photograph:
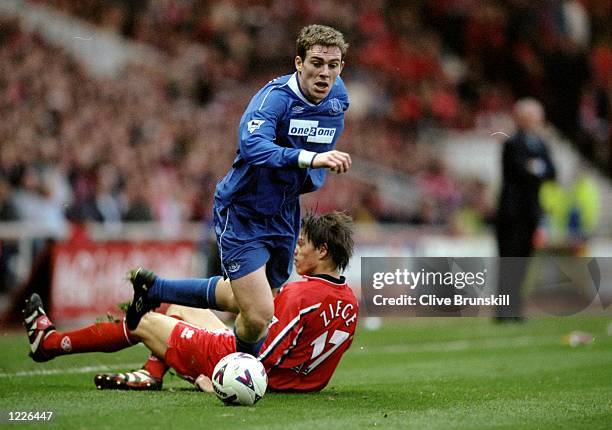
(454, 373)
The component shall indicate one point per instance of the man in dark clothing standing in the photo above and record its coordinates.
(526, 164)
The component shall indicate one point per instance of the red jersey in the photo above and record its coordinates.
(314, 323)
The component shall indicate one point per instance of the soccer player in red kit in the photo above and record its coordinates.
(314, 324)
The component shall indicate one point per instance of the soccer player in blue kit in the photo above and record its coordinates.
(287, 137)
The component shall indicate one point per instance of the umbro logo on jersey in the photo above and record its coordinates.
(254, 124)
(297, 109)
(311, 129)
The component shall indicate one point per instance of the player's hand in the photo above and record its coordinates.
(336, 161)
(203, 383)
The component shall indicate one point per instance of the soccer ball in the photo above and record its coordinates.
(239, 379)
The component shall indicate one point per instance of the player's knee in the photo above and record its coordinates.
(268, 314)
(259, 321)
(254, 328)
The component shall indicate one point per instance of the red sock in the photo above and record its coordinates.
(99, 337)
(157, 367)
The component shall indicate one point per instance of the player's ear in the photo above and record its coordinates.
(298, 63)
(323, 251)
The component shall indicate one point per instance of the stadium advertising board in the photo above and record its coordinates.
(89, 280)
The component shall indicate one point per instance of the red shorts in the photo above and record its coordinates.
(193, 351)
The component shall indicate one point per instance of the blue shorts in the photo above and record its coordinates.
(247, 243)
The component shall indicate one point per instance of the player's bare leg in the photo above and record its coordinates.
(202, 318)
(226, 301)
(256, 304)
(150, 376)
(154, 330)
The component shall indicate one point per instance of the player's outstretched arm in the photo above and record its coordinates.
(336, 161)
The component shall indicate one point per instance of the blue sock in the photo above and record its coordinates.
(194, 292)
(249, 348)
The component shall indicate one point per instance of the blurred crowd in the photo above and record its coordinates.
(151, 144)
(86, 149)
(437, 60)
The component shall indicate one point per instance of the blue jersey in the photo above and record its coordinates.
(279, 133)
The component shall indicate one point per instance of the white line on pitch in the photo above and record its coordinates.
(461, 345)
(86, 369)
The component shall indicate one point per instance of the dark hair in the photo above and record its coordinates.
(335, 230)
(317, 34)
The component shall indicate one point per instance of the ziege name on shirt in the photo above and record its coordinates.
(344, 311)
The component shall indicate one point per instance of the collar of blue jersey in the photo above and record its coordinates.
(294, 84)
